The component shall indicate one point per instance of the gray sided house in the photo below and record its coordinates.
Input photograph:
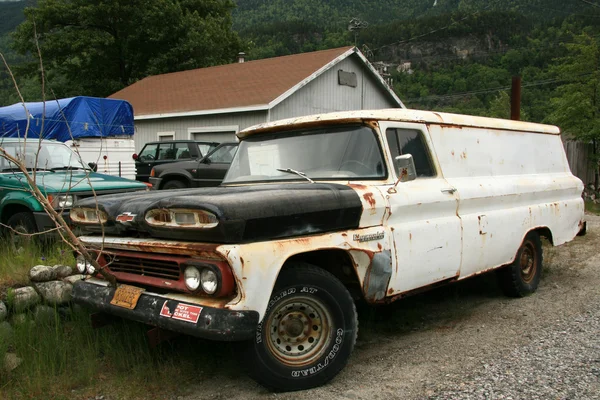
(212, 104)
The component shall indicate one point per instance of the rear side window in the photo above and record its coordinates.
(166, 151)
(410, 141)
(182, 151)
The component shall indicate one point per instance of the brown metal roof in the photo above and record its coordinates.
(226, 86)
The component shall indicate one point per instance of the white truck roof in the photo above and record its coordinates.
(407, 115)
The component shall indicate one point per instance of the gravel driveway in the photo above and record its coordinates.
(468, 341)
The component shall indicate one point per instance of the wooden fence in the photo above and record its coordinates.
(579, 155)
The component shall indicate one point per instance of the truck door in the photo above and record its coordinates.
(426, 229)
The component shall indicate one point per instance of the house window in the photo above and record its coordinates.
(163, 136)
(347, 78)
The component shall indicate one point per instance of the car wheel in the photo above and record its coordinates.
(22, 224)
(307, 333)
(174, 185)
(522, 276)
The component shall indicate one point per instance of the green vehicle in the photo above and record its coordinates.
(60, 175)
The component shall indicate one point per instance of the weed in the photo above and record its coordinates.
(16, 263)
(592, 207)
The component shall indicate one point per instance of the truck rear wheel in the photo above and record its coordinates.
(522, 276)
(307, 333)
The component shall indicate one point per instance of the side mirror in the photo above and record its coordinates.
(93, 166)
(405, 167)
(135, 156)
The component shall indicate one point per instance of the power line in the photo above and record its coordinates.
(492, 90)
(436, 30)
(479, 54)
(590, 3)
(561, 11)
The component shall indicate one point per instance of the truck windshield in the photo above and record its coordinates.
(50, 156)
(349, 152)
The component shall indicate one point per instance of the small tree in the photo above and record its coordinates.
(30, 185)
(576, 108)
(99, 47)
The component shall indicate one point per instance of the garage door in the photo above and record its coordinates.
(214, 136)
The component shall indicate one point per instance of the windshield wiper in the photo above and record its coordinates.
(15, 169)
(66, 167)
(293, 171)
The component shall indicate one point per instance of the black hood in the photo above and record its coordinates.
(245, 213)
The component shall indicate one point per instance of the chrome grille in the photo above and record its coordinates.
(146, 267)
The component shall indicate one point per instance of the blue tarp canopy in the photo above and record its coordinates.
(64, 119)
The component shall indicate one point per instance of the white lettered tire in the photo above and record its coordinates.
(307, 334)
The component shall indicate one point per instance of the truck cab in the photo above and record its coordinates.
(318, 211)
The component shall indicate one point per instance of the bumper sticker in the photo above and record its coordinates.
(183, 312)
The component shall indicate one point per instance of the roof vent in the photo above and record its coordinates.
(241, 57)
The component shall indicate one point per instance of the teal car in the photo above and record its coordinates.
(59, 174)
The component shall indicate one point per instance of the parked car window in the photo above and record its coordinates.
(148, 152)
(223, 155)
(182, 151)
(49, 155)
(410, 141)
(166, 151)
(206, 148)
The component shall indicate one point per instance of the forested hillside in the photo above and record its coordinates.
(449, 55)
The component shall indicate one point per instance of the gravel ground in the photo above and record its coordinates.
(466, 341)
(562, 362)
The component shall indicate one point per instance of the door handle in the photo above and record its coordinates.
(449, 190)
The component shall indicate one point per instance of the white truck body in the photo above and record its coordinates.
(377, 204)
(112, 155)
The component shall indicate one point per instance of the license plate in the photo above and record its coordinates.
(126, 296)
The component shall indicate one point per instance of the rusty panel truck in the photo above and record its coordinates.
(319, 210)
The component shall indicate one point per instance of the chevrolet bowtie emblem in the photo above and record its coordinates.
(125, 217)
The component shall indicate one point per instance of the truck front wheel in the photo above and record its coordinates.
(307, 333)
(174, 185)
(22, 225)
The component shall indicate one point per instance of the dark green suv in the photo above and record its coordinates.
(59, 174)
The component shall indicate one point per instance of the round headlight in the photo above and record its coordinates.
(192, 278)
(81, 263)
(209, 280)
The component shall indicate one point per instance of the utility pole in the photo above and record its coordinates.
(515, 99)
(355, 25)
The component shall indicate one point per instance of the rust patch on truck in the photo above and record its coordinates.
(378, 276)
(370, 199)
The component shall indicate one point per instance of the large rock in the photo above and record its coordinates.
(55, 292)
(11, 361)
(42, 273)
(23, 298)
(3, 311)
(22, 321)
(6, 332)
(62, 271)
(44, 315)
(74, 278)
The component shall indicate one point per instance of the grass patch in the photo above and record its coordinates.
(16, 263)
(65, 358)
(592, 207)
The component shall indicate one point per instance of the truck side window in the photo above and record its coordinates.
(410, 141)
